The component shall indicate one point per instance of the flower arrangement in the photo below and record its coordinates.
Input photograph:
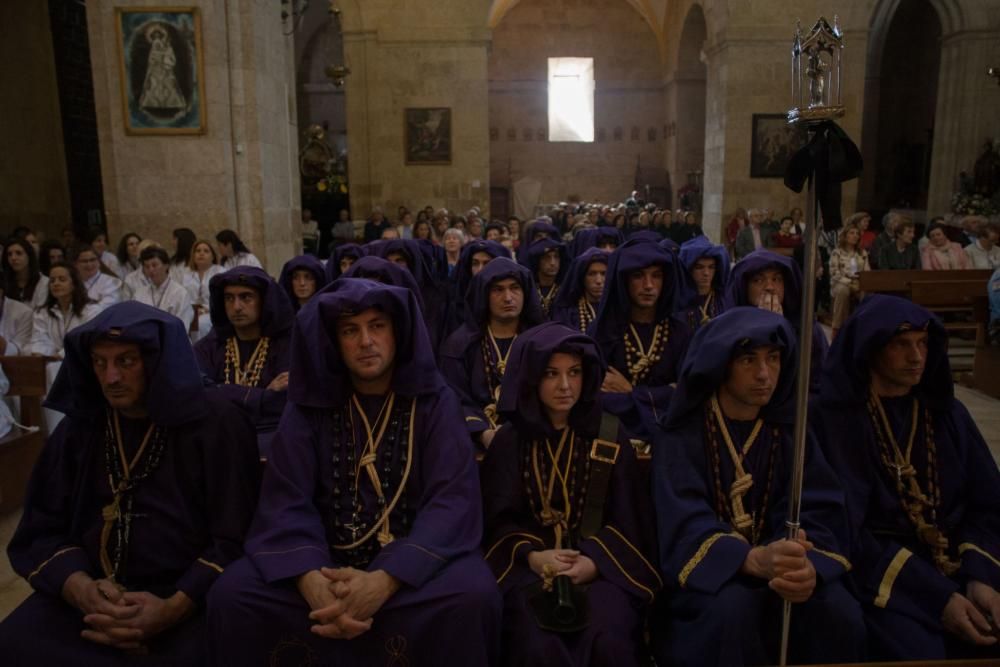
(973, 203)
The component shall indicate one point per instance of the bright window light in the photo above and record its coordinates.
(571, 99)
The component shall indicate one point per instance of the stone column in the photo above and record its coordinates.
(242, 173)
(968, 110)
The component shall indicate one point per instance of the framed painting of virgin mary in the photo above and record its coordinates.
(161, 70)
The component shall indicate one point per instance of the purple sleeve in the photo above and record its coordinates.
(458, 375)
(287, 537)
(449, 521)
(229, 459)
(43, 549)
(697, 551)
(978, 537)
(510, 530)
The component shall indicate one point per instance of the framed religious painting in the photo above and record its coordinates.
(427, 134)
(773, 144)
(162, 72)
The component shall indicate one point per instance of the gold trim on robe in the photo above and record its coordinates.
(835, 556)
(49, 560)
(700, 554)
(513, 555)
(889, 578)
(208, 563)
(969, 546)
(638, 553)
(620, 567)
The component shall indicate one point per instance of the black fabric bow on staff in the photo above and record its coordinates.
(833, 158)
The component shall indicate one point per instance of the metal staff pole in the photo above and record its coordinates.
(809, 238)
(816, 96)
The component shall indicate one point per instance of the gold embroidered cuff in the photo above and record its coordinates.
(889, 578)
(700, 554)
(969, 546)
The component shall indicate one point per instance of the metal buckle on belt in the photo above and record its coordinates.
(604, 451)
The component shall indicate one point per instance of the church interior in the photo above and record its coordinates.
(326, 105)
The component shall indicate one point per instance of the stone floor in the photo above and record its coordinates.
(13, 589)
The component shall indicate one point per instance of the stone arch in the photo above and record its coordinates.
(899, 117)
(689, 93)
(645, 8)
(965, 109)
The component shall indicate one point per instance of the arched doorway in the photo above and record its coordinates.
(689, 109)
(901, 90)
(321, 101)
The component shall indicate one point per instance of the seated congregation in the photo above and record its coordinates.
(574, 454)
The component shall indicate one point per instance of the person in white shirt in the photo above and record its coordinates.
(184, 240)
(128, 254)
(104, 290)
(201, 268)
(233, 252)
(15, 326)
(66, 308)
(24, 280)
(136, 279)
(163, 292)
(99, 242)
(983, 252)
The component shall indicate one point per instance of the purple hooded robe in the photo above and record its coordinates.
(737, 291)
(193, 498)
(468, 362)
(455, 315)
(536, 251)
(621, 549)
(302, 262)
(641, 408)
(698, 308)
(902, 589)
(307, 518)
(263, 405)
(716, 614)
(567, 308)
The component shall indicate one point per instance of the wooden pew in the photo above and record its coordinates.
(20, 449)
(938, 291)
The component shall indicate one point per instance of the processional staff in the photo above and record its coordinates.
(827, 159)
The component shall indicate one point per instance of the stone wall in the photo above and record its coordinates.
(242, 172)
(33, 184)
(628, 99)
(413, 53)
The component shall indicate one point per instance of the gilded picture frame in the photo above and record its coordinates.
(161, 70)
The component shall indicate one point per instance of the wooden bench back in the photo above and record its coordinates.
(947, 292)
(896, 282)
(19, 449)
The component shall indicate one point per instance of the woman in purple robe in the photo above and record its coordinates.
(575, 306)
(361, 487)
(721, 489)
(703, 302)
(541, 254)
(164, 532)
(920, 483)
(605, 238)
(470, 262)
(247, 361)
(474, 357)
(642, 343)
(311, 278)
(753, 275)
(555, 506)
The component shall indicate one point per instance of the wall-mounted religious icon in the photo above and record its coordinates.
(428, 136)
(162, 73)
